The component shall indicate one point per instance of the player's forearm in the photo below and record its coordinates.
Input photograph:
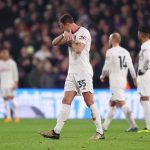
(58, 40)
(132, 72)
(106, 67)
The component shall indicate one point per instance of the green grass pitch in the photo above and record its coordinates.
(75, 136)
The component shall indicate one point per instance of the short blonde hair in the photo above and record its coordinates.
(116, 36)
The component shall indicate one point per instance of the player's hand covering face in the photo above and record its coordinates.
(68, 36)
(67, 31)
(64, 27)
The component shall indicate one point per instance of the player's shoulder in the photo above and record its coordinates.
(146, 46)
(110, 51)
(12, 61)
(125, 51)
(84, 30)
(117, 51)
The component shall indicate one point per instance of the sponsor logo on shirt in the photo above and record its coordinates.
(82, 37)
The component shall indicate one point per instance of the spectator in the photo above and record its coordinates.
(48, 77)
(43, 53)
(27, 28)
(62, 73)
(25, 66)
(34, 77)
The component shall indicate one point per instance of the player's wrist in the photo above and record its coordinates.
(63, 35)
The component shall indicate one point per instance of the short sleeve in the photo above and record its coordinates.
(147, 55)
(83, 37)
(107, 60)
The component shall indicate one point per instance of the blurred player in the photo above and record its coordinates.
(144, 73)
(8, 83)
(117, 63)
(79, 80)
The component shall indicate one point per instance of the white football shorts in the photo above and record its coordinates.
(117, 94)
(79, 82)
(5, 92)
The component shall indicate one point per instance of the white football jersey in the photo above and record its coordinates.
(144, 57)
(8, 73)
(117, 63)
(80, 63)
(144, 67)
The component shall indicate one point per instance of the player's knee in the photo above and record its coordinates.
(89, 102)
(88, 98)
(120, 104)
(6, 98)
(112, 103)
(144, 98)
(11, 97)
(66, 101)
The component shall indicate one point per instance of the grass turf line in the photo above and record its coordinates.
(75, 136)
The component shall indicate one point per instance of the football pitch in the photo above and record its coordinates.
(75, 136)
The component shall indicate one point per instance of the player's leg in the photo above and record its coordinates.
(129, 116)
(110, 115)
(145, 102)
(88, 98)
(62, 117)
(70, 93)
(65, 111)
(7, 108)
(144, 90)
(14, 109)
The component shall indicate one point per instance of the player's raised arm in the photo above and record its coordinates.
(105, 69)
(58, 40)
(78, 44)
(63, 38)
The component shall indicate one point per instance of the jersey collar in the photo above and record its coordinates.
(76, 30)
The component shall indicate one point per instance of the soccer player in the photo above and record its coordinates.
(144, 73)
(80, 73)
(8, 83)
(117, 63)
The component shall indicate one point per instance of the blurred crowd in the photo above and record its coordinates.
(27, 28)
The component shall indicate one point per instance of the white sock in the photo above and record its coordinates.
(62, 117)
(109, 118)
(96, 119)
(14, 108)
(146, 109)
(129, 116)
(6, 103)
